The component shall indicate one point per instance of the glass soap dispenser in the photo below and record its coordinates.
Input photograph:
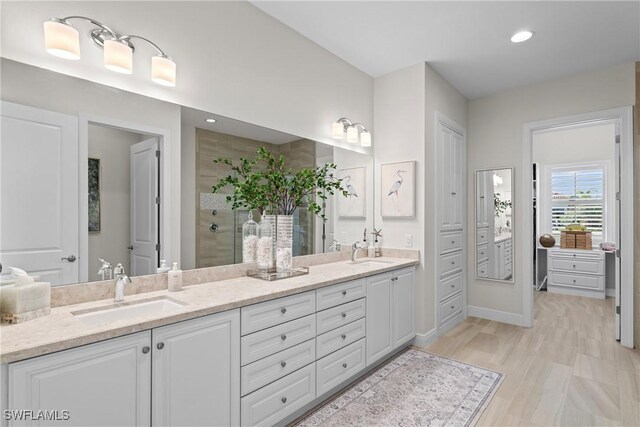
(249, 239)
(264, 247)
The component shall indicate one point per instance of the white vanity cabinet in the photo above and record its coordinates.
(102, 384)
(390, 312)
(183, 374)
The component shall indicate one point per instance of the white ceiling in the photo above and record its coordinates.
(468, 42)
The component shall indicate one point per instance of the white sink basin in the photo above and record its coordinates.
(124, 310)
(370, 261)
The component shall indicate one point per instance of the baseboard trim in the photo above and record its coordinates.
(611, 293)
(496, 315)
(423, 340)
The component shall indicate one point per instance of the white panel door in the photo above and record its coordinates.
(404, 328)
(103, 384)
(144, 209)
(39, 187)
(196, 372)
(458, 177)
(379, 317)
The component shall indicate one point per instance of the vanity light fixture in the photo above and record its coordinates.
(62, 40)
(344, 125)
(521, 36)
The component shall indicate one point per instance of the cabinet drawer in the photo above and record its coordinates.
(576, 280)
(450, 308)
(339, 294)
(280, 399)
(507, 259)
(450, 286)
(579, 266)
(340, 366)
(450, 241)
(270, 313)
(482, 236)
(482, 253)
(340, 315)
(450, 263)
(274, 367)
(269, 341)
(482, 270)
(583, 255)
(340, 337)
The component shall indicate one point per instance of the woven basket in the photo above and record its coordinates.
(576, 240)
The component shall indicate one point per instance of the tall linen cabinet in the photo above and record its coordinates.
(451, 225)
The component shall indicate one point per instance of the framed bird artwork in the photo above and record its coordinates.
(398, 189)
(354, 180)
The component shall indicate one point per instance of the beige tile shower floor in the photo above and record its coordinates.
(567, 370)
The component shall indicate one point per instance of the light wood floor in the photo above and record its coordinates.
(566, 370)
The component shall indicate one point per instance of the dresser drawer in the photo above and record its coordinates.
(450, 308)
(579, 266)
(482, 253)
(576, 280)
(584, 255)
(276, 366)
(339, 294)
(482, 236)
(269, 341)
(270, 313)
(450, 241)
(280, 399)
(450, 263)
(482, 270)
(341, 315)
(340, 337)
(450, 286)
(340, 366)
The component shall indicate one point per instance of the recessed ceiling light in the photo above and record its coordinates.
(521, 36)
(210, 120)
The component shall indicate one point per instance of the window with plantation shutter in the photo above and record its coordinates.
(577, 197)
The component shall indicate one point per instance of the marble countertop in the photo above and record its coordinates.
(502, 237)
(62, 330)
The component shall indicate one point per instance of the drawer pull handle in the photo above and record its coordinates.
(284, 400)
(344, 293)
(574, 281)
(574, 255)
(453, 286)
(283, 310)
(160, 345)
(452, 307)
(283, 363)
(344, 365)
(283, 337)
(453, 242)
(344, 336)
(574, 266)
(146, 349)
(453, 262)
(344, 315)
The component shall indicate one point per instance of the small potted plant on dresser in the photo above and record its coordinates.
(268, 185)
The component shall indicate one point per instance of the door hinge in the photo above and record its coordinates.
(158, 200)
(618, 253)
(618, 195)
(158, 153)
(617, 139)
(157, 246)
(617, 309)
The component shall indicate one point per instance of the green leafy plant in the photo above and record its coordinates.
(266, 183)
(500, 205)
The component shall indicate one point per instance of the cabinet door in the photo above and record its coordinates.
(102, 384)
(403, 307)
(379, 319)
(446, 187)
(482, 200)
(457, 178)
(196, 372)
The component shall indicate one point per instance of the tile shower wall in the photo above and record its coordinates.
(224, 246)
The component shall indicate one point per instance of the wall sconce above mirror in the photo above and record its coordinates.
(494, 224)
(344, 126)
(63, 41)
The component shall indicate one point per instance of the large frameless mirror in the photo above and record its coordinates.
(494, 224)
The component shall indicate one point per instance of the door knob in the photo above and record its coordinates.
(344, 293)
(344, 336)
(344, 315)
(283, 363)
(213, 227)
(284, 400)
(146, 349)
(160, 345)
(283, 337)
(70, 258)
(344, 365)
(283, 310)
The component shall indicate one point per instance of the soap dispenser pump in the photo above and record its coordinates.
(175, 278)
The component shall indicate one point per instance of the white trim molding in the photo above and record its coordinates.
(496, 315)
(423, 340)
(623, 118)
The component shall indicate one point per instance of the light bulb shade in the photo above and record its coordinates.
(337, 130)
(163, 71)
(365, 138)
(352, 134)
(61, 40)
(118, 57)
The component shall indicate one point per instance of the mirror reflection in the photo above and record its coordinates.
(93, 179)
(494, 224)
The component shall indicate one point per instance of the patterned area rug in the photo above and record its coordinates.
(415, 388)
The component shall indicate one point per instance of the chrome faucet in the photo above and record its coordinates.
(335, 246)
(121, 280)
(354, 250)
